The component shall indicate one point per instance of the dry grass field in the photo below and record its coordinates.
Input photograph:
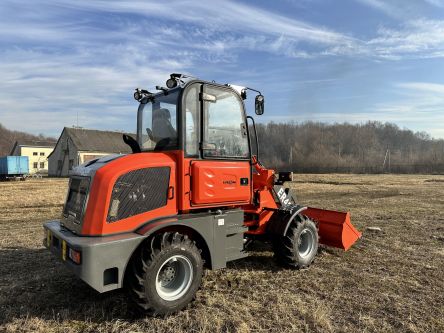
(390, 281)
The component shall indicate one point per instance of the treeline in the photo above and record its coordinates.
(8, 138)
(373, 147)
(312, 147)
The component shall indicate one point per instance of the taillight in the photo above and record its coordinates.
(75, 256)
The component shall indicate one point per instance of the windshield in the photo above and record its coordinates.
(157, 122)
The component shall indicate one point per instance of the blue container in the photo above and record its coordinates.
(14, 165)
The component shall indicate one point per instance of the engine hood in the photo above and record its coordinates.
(81, 178)
(88, 169)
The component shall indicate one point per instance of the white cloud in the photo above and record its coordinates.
(401, 10)
(42, 92)
(226, 15)
(382, 5)
(57, 61)
(423, 38)
(424, 87)
(436, 132)
(438, 3)
(418, 106)
(416, 39)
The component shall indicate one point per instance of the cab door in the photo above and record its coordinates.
(222, 173)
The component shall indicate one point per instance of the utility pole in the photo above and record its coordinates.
(385, 159)
(389, 160)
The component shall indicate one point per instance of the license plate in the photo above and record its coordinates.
(63, 250)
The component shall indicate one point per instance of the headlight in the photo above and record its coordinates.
(171, 83)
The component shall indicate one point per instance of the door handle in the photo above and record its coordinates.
(170, 192)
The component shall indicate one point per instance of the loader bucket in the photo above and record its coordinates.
(335, 228)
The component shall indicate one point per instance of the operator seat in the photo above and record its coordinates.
(162, 127)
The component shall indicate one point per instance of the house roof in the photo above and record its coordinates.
(36, 143)
(33, 143)
(98, 141)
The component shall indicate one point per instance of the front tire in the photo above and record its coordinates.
(298, 248)
(165, 274)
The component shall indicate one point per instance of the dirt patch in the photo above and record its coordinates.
(383, 283)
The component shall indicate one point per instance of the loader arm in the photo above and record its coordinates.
(274, 208)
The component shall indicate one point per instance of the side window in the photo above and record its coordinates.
(164, 122)
(224, 128)
(192, 120)
(159, 122)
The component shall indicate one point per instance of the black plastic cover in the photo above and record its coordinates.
(139, 191)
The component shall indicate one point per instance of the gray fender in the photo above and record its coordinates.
(201, 230)
(282, 219)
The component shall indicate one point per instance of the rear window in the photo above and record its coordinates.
(75, 202)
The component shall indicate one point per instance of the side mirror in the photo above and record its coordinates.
(259, 105)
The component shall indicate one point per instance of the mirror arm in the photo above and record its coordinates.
(247, 88)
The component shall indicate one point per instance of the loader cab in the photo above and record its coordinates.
(202, 119)
(206, 123)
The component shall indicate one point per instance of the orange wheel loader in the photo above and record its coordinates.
(190, 195)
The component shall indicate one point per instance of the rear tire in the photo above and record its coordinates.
(165, 274)
(298, 248)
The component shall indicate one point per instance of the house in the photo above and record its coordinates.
(37, 152)
(78, 145)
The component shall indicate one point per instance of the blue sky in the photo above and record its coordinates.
(320, 60)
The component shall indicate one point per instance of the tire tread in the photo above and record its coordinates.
(284, 247)
(142, 261)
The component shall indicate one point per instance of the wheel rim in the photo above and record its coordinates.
(174, 278)
(305, 243)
